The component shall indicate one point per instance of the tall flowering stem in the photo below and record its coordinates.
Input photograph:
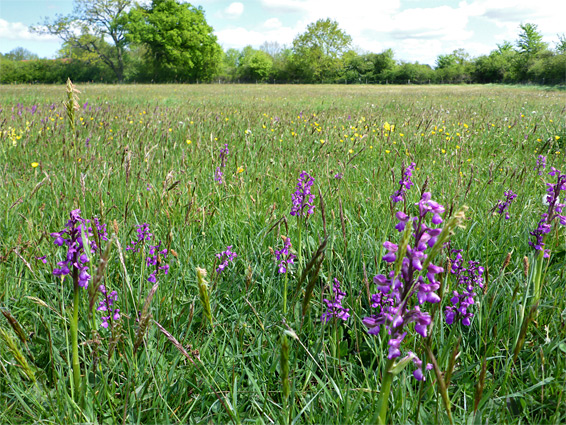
(553, 212)
(302, 203)
(405, 290)
(334, 307)
(405, 183)
(78, 237)
(218, 174)
(285, 258)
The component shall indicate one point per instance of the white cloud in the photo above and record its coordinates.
(241, 37)
(234, 10)
(272, 23)
(418, 33)
(18, 31)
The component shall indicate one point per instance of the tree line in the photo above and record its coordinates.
(168, 41)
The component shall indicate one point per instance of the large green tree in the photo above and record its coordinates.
(96, 28)
(317, 53)
(181, 45)
(529, 46)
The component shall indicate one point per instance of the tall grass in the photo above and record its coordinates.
(148, 154)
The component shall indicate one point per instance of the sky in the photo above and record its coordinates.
(416, 30)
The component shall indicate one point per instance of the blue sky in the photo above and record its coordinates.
(416, 30)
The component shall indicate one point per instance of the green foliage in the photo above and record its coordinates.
(454, 67)
(411, 73)
(530, 41)
(170, 40)
(85, 31)
(317, 53)
(254, 65)
(180, 44)
(53, 71)
(20, 54)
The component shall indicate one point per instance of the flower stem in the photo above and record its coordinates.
(75, 334)
(299, 247)
(538, 276)
(285, 294)
(384, 393)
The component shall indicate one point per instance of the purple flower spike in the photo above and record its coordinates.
(107, 306)
(227, 257)
(541, 164)
(218, 174)
(284, 256)
(76, 256)
(155, 260)
(554, 211)
(303, 199)
(400, 298)
(503, 206)
(467, 281)
(143, 235)
(334, 308)
(405, 183)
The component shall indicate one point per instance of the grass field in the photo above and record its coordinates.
(250, 346)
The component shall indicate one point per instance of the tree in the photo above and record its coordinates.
(497, 67)
(181, 45)
(529, 46)
(318, 51)
(96, 27)
(254, 65)
(530, 40)
(454, 67)
(412, 73)
(20, 54)
(561, 44)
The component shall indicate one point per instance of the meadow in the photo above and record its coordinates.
(225, 306)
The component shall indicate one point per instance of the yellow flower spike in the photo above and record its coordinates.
(386, 151)
(240, 170)
(351, 151)
(557, 137)
(35, 164)
(443, 151)
(189, 141)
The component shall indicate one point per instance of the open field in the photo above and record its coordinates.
(156, 155)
